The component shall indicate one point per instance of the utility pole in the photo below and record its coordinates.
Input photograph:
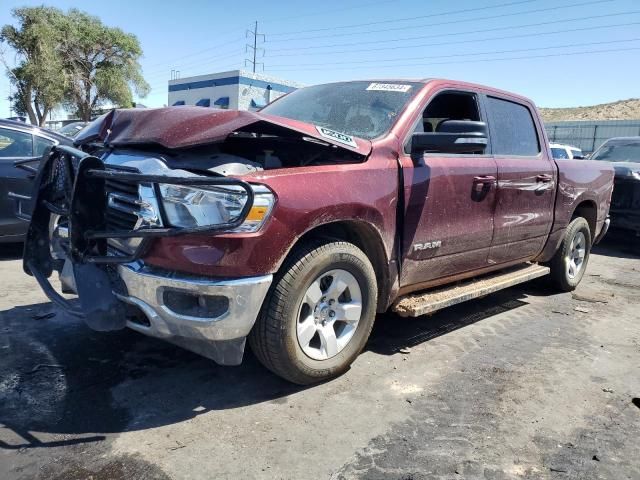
(254, 48)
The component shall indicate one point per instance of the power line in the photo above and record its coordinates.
(492, 52)
(451, 12)
(333, 11)
(199, 52)
(371, 42)
(237, 53)
(454, 42)
(348, 34)
(527, 57)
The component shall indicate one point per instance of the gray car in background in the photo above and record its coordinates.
(20, 142)
(624, 154)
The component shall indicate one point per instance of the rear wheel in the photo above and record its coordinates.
(570, 261)
(318, 314)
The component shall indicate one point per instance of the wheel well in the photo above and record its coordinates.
(589, 211)
(366, 238)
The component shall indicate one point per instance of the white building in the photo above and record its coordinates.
(236, 89)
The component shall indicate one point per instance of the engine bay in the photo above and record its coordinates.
(247, 152)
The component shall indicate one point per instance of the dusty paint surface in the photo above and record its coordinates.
(521, 384)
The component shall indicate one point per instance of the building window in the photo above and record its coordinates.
(222, 102)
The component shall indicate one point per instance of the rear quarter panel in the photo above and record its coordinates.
(579, 181)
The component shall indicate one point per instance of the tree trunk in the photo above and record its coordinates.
(38, 112)
(26, 100)
(45, 113)
(32, 116)
(86, 104)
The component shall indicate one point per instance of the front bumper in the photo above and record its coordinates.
(70, 233)
(171, 308)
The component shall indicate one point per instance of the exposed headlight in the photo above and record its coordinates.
(190, 207)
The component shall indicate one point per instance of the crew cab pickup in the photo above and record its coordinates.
(292, 226)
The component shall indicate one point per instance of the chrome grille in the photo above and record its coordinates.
(130, 206)
(123, 205)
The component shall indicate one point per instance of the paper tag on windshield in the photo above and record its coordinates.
(337, 136)
(389, 87)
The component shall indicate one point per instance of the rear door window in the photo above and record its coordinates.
(512, 129)
(15, 144)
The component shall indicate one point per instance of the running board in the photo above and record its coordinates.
(430, 301)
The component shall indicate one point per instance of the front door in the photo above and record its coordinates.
(449, 200)
(526, 182)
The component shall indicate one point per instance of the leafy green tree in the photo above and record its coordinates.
(101, 63)
(70, 59)
(38, 72)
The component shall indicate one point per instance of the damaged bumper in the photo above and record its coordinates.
(209, 317)
(69, 234)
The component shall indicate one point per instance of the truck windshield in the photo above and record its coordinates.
(362, 109)
(619, 151)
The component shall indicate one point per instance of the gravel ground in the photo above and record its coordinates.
(524, 383)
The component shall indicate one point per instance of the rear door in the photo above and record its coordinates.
(526, 181)
(449, 199)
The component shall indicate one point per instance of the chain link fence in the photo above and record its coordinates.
(589, 135)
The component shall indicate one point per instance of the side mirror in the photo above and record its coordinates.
(453, 136)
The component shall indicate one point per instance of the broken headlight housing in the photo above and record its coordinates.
(191, 207)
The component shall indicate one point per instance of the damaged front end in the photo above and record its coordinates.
(72, 232)
(145, 174)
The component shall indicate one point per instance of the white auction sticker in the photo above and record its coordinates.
(389, 87)
(337, 136)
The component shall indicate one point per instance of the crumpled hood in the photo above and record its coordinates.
(181, 127)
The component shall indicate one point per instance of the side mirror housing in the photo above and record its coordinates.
(453, 136)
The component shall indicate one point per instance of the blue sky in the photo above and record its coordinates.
(517, 45)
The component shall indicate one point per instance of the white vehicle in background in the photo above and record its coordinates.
(560, 152)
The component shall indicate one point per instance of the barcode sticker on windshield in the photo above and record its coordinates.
(337, 136)
(389, 87)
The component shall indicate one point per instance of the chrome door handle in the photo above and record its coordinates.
(484, 179)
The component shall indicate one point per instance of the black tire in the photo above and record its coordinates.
(560, 263)
(274, 338)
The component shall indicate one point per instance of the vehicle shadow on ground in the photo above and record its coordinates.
(57, 376)
(10, 251)
(618, 244)
(392, 333)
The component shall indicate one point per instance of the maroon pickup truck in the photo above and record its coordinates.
(293, 226)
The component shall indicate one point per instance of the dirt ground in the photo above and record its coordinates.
(525, 383)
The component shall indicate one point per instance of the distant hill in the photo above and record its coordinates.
(620, 110)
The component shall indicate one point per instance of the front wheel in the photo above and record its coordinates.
(318, 314)
(570, 261)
